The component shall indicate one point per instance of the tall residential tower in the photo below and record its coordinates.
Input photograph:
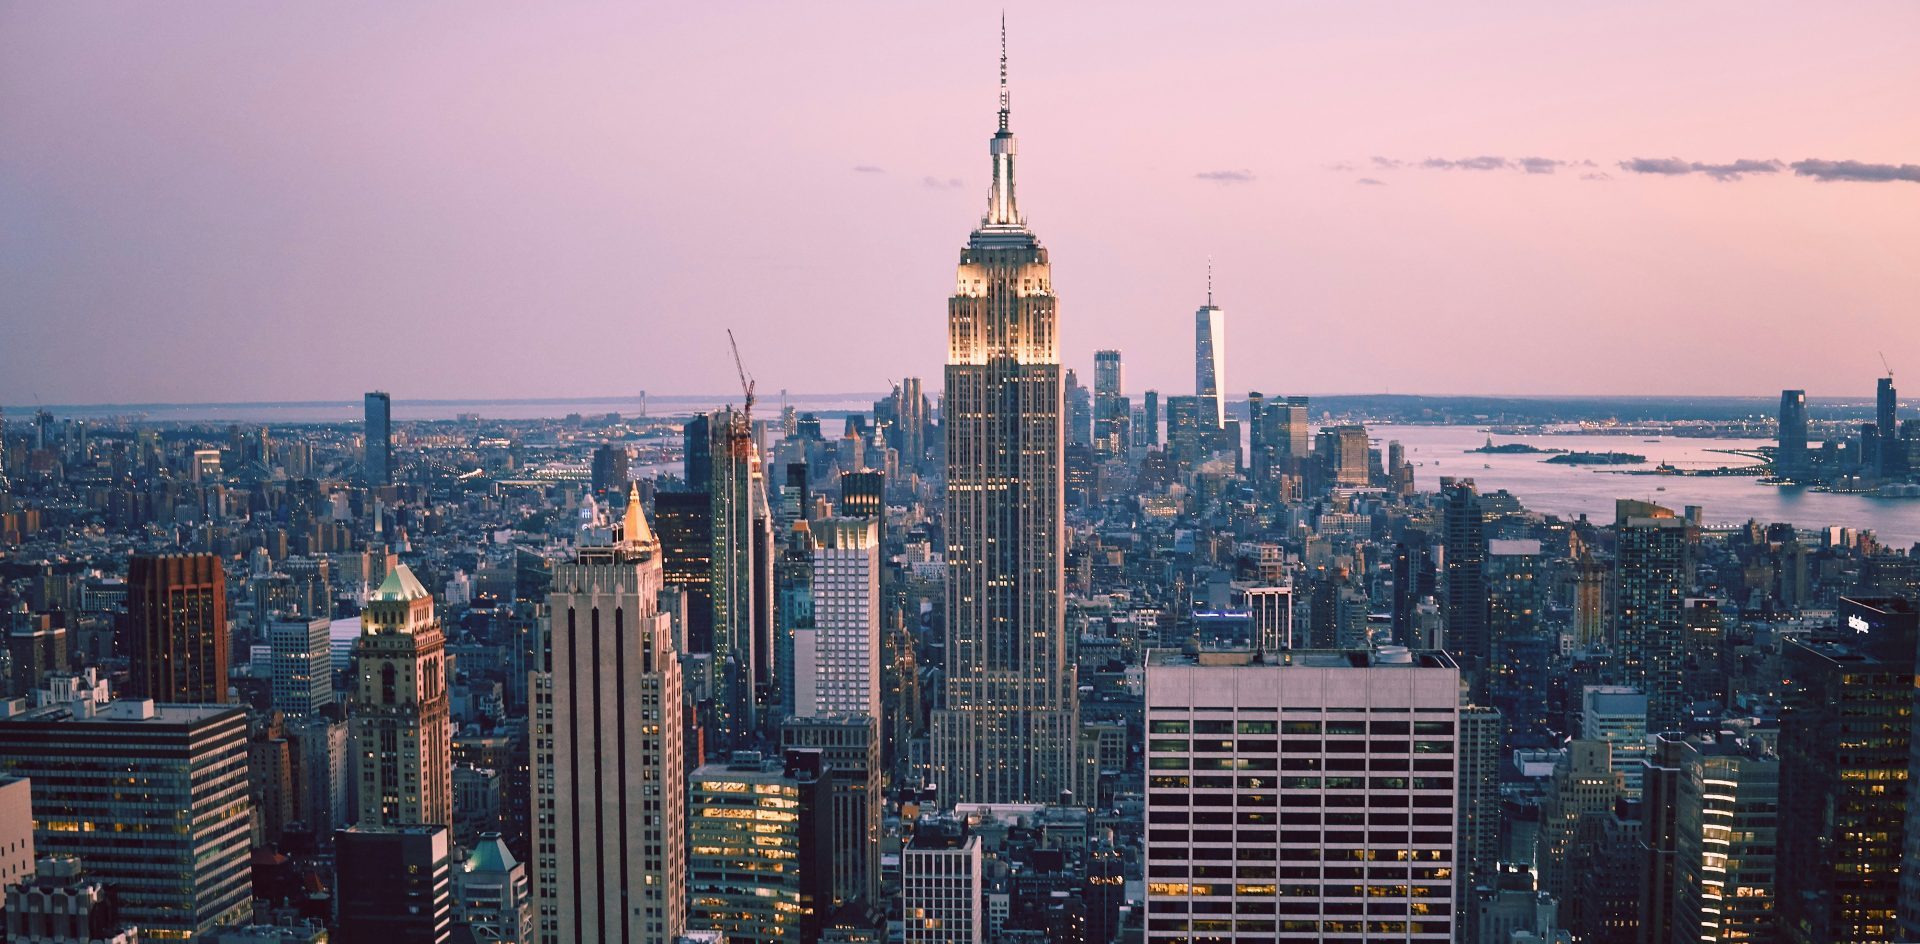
(1007, 730)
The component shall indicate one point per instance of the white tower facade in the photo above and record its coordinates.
(1304, 796)
(610, 765)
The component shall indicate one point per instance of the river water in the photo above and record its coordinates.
(1571, 490)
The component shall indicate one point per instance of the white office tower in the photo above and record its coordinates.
(941, 895)
(1272, 612)
(609, 767)
(301, 665)
(1301, 796)
(1210, 354)
(837, 660)
(1617, 715)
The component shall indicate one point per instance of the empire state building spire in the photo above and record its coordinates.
(1001, 209)
(1006, 733)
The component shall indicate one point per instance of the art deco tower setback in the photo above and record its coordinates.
(401, 737)
(1006, 731)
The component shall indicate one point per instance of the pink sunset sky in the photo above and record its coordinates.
(244, 201)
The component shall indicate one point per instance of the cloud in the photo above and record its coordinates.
(936, 183)
(1371, 182)
(1385, 163)
(1341, 166)
(1674, 167)
(1540, 165)
(1226, 176)
(1485, 162)
(1656, 165)
(1596, 175)
(868, 169)
(1856, 170)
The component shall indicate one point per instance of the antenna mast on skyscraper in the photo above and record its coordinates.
(1003, 71)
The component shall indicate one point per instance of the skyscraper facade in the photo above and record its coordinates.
(1112, 415)
(611, 726)
(1465, 563)
(377, 458)
(850, 745)
(1726, 862)
(1006, 732)
(1885, 414)
(402, 743)
(1308, 797)
(837, 659)
(1846, 736)
(395, 883)
(757, 828)
(742, 581)
(1649, 616)
(153, 798)
(1210, 355)
(302, 665)
(1791, 455)
(942, 881)
(177, 628)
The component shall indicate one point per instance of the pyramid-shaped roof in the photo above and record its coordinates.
(401, 584)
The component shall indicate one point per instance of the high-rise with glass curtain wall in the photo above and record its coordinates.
(1210, 354)
(1007, 729)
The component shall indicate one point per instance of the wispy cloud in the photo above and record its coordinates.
(1726, 172)
(1484, 162)
(1226, 176)
(868, 169)
(1674, 167)
(1856, 170)
(937, 183)
(1371, 182)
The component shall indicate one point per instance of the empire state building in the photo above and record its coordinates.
(1006, 731)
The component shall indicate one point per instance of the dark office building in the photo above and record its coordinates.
(697, 445)
(1792, 453)
(1886, 407)
(1150, 417)
(36, 645)
(684, 523)
(377, 457)
(1845, 752)
(1652, 577)
(863, 495)
(849, 744)
(1466, 571)
(394, 884)
(610, 468)
(177, 628)
(1413, 580)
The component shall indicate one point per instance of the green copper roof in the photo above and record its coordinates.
(401, 584)
(490, 855)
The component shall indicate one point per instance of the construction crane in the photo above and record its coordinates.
(1883, 363)
(746, 383)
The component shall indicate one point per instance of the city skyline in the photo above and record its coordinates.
(197, 242)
